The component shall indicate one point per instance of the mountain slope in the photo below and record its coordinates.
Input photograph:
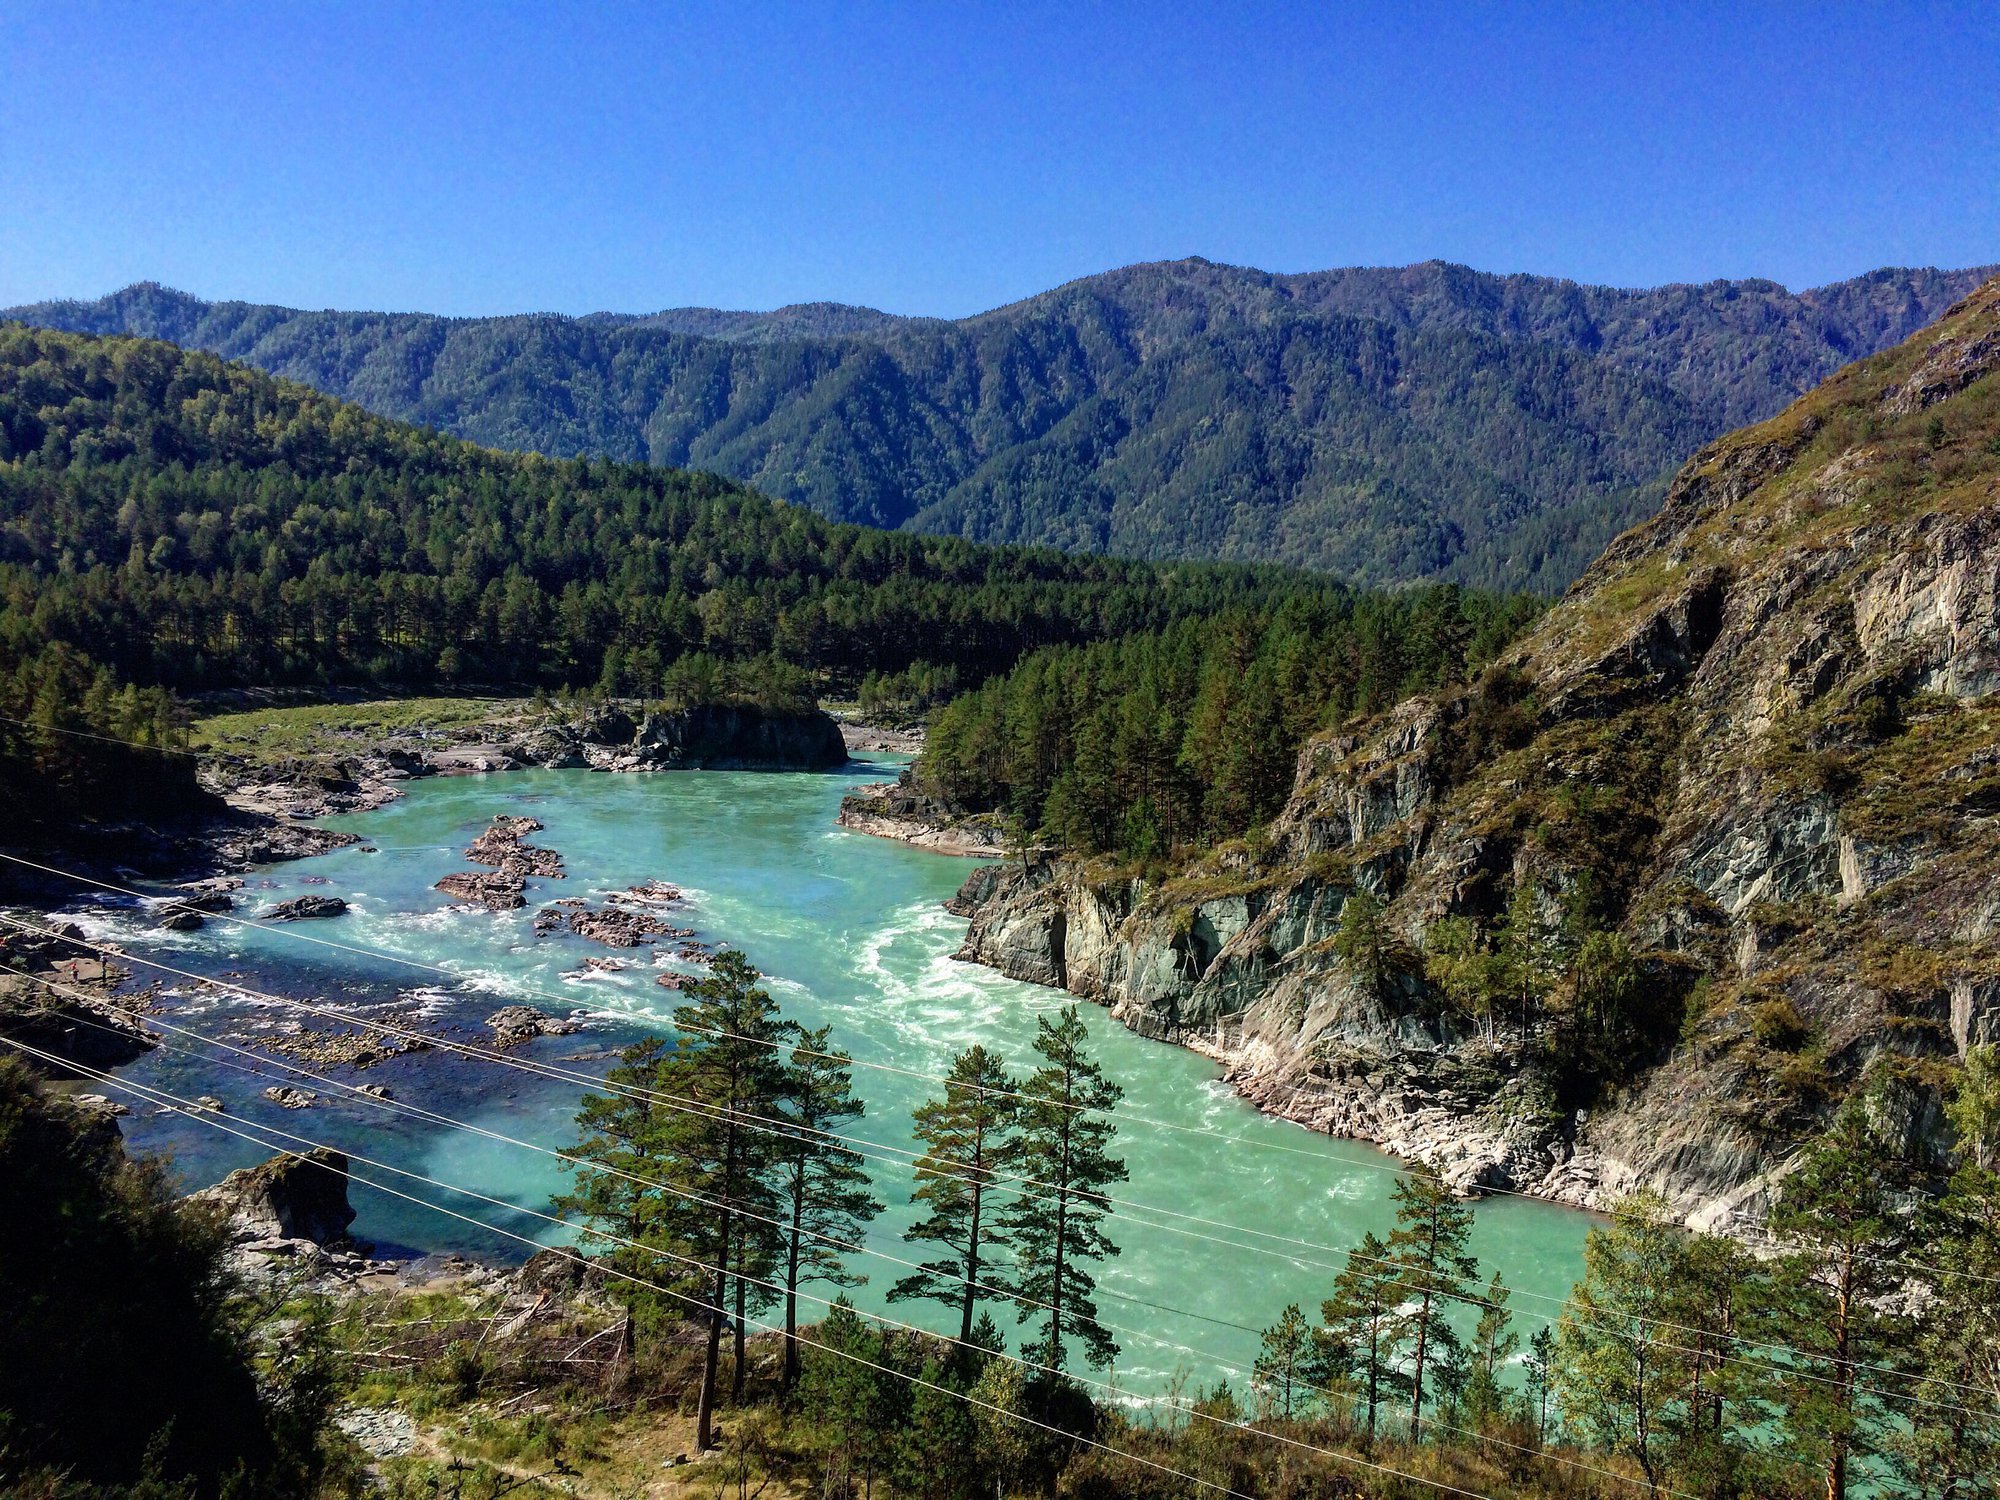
(1714, 847)
(172, 521)
(1385, 424)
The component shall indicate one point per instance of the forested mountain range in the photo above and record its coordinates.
(170, 522)
(1385, 424)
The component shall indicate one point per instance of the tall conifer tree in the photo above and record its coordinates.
(1064, 1148)
(967, 1135)
(824, 1191)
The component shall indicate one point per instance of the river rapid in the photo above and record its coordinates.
(850, 933)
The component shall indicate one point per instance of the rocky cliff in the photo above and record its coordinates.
(715, 737)
(1759, 738)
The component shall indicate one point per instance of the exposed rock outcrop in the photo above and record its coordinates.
(515, 1024)
(899, 809)
(71, 1023)
(712, 737)
(286, 1198)
(306, 908)
(515, 862)
(1760, 735)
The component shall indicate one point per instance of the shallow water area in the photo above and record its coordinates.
(850, 933)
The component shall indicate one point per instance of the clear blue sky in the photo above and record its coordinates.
(948, 158)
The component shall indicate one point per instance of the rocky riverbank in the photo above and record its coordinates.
(899, 810)
(275, 772)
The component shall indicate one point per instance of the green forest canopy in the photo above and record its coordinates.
(170, 522)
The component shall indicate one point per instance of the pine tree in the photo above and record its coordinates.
(1720, 1294)
(1540, 1364)
(1063, 1146)
(1358, 1324)
(840, 1388)
(937, 1448)
(1368, 944)
(1494, 1343)
(1950, 1447)
(623, 1152)
(966, 1135)
(1616, 1368)
(821, 1183)
(727, 1069)
(1283, 1369)
(1433, 1270)
(1837, 1209)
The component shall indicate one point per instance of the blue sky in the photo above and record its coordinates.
(944, 159)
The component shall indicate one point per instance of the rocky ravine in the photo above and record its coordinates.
(1764, 725)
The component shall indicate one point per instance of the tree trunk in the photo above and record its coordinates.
(736, 1373)
(704, 1417)
(1417, 1369)
(971, 1267)
(791, 1376)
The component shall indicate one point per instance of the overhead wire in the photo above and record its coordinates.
(871, 1151)
(1209, 1132)
(194, 1111)
(389, 1104)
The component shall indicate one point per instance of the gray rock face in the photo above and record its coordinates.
(714, 737)
(286, 1198)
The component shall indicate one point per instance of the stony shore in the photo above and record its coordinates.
(898, 810)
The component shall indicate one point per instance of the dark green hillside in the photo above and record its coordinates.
(1384, 424)
(172, 522)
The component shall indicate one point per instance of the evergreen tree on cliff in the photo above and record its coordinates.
(966, 1135)
(1064, 1149)
(821, 1183)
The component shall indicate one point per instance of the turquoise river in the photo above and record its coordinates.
(1232, 1214)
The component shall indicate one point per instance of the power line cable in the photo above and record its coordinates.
(1209, 1132)
(871, 1150)
(996, 1293)
(194, 1111)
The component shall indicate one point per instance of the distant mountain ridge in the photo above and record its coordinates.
(1388, 424)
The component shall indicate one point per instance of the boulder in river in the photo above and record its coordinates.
(496, 892)
(514, 1024)
(302, 908)
(290, 1098)
(181, 918)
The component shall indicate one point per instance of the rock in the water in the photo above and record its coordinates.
(497, 892)
(514, 862)
(209, 895)
(287, 1098)
(286, 1198)
(302, 908)
(515, 1024)
(181, 919)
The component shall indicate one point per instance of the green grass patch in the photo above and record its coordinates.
(334, 728)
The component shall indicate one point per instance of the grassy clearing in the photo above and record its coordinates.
(333, 728)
